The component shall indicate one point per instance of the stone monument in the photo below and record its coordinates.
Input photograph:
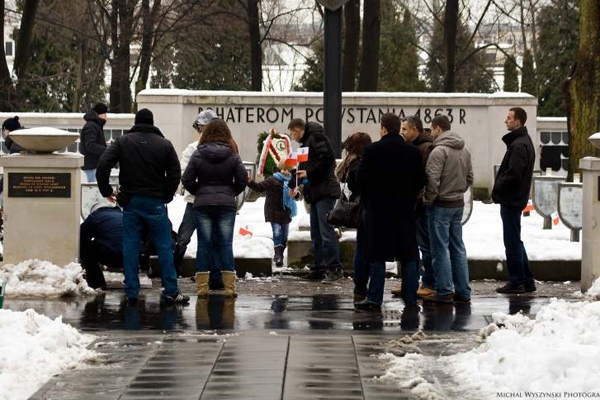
(42, 199)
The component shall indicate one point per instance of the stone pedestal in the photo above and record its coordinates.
(590, 257)
(42, 205)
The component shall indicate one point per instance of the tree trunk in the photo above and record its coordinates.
(351, 43)
(369, 64)
(148, 18)
(255, 45)
(584, 88)
(115, 97)
(6, 86)
(24, 40)
(450, 28)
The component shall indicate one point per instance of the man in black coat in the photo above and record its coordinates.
(149, 176)
(511, 191)
(92, 142)
(321, 189)
(391, 176)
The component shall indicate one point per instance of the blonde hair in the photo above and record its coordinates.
(282, 166)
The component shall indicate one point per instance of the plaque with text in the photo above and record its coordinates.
(39, 184)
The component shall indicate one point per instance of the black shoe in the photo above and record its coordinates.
(176, 298)
(314, 276)
(367, 305)
(439, 300)
(530, 287)
(333, 276)
(511, 289)
(461, 299)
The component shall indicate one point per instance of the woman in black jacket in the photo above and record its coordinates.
(215, 175)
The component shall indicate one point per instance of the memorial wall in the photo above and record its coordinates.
(478, 118)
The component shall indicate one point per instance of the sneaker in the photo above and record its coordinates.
(530, 287)
(333, 276)
(314, 275)
(461, 299)
(177, 298)
(511, 289)
(367, 305)
(425, 292)
(439, 300)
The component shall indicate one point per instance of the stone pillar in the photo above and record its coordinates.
(42, 206)
(590, 257)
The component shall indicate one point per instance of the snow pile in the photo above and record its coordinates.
(558, 351)
(594, 291)
(33, 348)
(35, 278)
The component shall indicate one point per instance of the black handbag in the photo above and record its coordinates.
(346, 213)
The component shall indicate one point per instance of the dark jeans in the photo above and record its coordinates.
(215, 231)
(425, 247)
(149, 211)
(516, 256)
(184, 236)
(362, 269)
(325, 243)
(91, 259)
(280, 233)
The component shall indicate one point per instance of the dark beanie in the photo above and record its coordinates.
(100, 108)
(11, 124)
(144, 116)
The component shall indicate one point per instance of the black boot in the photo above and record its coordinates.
(278, 258)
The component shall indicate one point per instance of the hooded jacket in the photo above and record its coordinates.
(513, 181)
(91, 140)
(215, 175)
(148, 164)
(449, 171)
(320, 167)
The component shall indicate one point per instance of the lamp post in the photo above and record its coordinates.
(332, 80)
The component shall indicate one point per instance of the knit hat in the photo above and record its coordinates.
(100, 108)
(204, 118)
(11, 124)
(144, 116)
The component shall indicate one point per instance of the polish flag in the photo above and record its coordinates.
(555, 218)
(245, 232)
(292, 160)
(303, 154)
(529, 207)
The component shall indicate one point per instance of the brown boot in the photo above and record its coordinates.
(202, 284)
(229, 280)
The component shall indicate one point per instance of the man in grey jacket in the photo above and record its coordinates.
(449, 174)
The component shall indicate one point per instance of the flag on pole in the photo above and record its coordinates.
(245, 232)
(303, 154)
(555, 218)
(292, 160)
(529, 207)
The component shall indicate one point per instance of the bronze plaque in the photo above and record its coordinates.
(39, 184)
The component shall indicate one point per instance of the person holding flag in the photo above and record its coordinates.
(316, 170)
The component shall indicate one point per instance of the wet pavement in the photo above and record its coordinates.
(280, 339)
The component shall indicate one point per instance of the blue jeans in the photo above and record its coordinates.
(184, 236)
(214, 228)
(325, 243)
(425, 247)
(516, 256)
(90, 175)
(280, 233)
(410, 282)
(448, 251)
(149, 211)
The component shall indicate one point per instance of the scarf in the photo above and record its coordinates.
(288, 201)
(344, 167)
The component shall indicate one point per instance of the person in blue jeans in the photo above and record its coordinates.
(215, 175)
(449, 175)
(92, 142)
(148, 176)
(390, 178)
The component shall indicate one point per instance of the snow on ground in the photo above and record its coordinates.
(33, 348)
(482, 234)
(35, 278)
(556, 352)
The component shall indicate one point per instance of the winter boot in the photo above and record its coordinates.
(278, 258)
(202, 284)
(229, 280)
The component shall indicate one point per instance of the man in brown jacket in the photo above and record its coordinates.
(449, 175)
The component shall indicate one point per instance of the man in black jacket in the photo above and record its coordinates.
(511, 191)
(149, 175)
(321, 189)
(92, 142)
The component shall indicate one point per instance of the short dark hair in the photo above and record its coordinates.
(520, 114)
(297, 123)
(391, 122)
(441, 121)
(415, 122)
